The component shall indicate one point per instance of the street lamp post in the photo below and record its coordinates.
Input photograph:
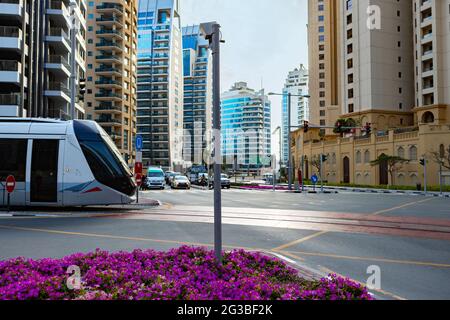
(289, 163)
(214, 37)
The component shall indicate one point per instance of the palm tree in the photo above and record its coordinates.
(394, 164)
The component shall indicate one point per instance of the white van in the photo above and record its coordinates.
(156, 179)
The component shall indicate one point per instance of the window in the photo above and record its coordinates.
(401, 152)
(358, 157)
(413, 153)
(367, 156)
(13, 158)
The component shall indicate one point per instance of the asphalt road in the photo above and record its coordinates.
(407, 237)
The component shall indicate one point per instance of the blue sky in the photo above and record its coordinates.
(265, 39)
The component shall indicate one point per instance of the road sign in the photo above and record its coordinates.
(138, 168)
(10, 184)
(315, 179)
(139, 179)
(139, 143)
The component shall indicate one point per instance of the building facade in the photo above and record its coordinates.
(35, 52)
(324, 45)
(111, 81)
(246, 128)
(377, 80)
(395, 78)
(296, 85)
(160, 83)
(197, 66)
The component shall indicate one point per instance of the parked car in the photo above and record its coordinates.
(172, 175)
(167, 176)
(224, 181)
(181, 182)
(155, 179)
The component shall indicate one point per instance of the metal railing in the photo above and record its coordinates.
(10, 99)
(59, 60)
(9, 65)
(9, 32)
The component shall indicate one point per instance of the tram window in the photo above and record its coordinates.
(13, 158)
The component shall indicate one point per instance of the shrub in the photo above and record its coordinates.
(181, 274)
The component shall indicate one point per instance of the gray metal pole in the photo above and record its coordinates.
(289, 143)
(217, 143)
(425, 176)
(440, 178)
(303, 173)
(321, 173)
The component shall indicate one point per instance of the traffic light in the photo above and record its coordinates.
(82, 89)
(324, 158)
(368, 128)
(305, 126)
(422, 162)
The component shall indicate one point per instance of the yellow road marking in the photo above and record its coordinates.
(105, 236)
(293, 243)
(393, 261)
(400, 207)
(328, 271)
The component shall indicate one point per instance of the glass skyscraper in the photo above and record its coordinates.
(197, 67)
(246, 128)
(160, 83)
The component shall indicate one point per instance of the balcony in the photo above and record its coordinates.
(11, 9)
(110, 21)
(58, 11)
(108, 108)
(109, 122)
(111, 45)
(108, 71)
(58, 38)
(58, 65)
(10, 71)
(108, 96)
(58, 91)
(109, 58)
(110, 8)
(107, 83)
(110, 33)
(11, 38)
(9, 104)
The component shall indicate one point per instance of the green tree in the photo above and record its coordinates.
(394, 164)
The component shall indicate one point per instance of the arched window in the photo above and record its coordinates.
(413, 153)
(401, 152)
(334, 158)
(358, 157)
(367, 156)
(428, 117)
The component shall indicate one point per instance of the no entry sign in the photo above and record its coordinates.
(10, 184)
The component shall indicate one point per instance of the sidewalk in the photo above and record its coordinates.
(328, 189)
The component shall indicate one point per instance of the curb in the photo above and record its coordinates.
(309, 273)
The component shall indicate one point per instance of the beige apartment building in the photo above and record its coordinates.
(395, 76)
(324, 68)
(111, 70)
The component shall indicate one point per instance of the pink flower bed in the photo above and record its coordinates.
(181, 274)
